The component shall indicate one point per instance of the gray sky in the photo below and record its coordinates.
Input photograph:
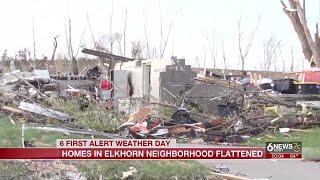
(193, 21)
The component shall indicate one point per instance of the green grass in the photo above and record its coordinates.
(10, 136)
(15, 170)
(111, 170)
(167, 111)
(92, 117)
(310, 141)
(146, 169)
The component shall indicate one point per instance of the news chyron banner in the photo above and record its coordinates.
(150, 149)
(283, 150)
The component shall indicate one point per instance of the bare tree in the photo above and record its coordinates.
(137, 50)
(34, 40)
(224, 57)
(4, 56)
(163, 40)
(92, 34)
(166, 40)
(146, 36)
(154, 53)
(244, 49)
(283, 60)
(271, 51)
(111, 35)
(55, 46)
(124, 34)
(205, 58)
(75, 69)
(297, 16)
(292, 60)
(213, 50)
(197, 62)
(22, 55)
(161, 28)
(118, 38)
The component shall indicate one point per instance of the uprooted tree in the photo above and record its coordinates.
(297, 15)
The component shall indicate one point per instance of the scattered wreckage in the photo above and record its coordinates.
(208, 108)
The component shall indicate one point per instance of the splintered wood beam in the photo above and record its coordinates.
(12, 109)
(106, 55)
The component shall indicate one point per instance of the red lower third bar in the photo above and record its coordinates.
(132, 153)
(283, 155)
(29, 153)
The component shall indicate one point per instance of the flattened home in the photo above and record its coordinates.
(152, 79)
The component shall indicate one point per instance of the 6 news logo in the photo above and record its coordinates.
(283, 147)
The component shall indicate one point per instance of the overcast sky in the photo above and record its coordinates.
(193, 21)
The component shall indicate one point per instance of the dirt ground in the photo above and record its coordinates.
(267, 169)
(270, 169)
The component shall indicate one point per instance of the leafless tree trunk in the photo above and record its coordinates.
(292, 60)
(55, 46)
(271, 52)
(245, 48)
(224, 57)
(111, 36)
(34, 40)
(92, 35)
(124, 34)
(146, 36)
(283, 60)
(137, 50)
(75, 69)
(161, 29)
(166, 41)
(297, 16)
(118, 38)
(204, 59)
(163, 43)
(213, 52)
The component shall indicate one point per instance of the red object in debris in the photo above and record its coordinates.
(140, 127)
(105, 85)
(312, 76)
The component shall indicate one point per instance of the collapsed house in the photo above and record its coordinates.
(215, 106)
(162, 80)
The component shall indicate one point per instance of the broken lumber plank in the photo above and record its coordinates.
(300, 130)
(12, 109)
(34, 108)
(83, 70)
(230, 176)
(106, 55)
